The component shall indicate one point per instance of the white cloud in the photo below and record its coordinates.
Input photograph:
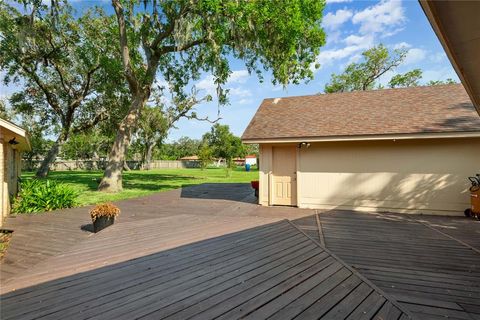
(334, 20)
(239, 76)
(414, 55)
(364, 41)
(355, 45)
(383, 17)
(233, 84)
(327, 57)
(207, 84)
(402, 45)
(240, 92)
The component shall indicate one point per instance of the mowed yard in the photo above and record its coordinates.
(140, 183)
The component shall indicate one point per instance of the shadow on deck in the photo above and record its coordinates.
(268, 271)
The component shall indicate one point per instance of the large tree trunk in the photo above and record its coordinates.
(42, 172)
(148, 155)
(112, 177)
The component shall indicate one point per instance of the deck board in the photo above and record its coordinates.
(416, 260)
(270, 271)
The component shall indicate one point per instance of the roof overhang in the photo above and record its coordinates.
(10, 131)
(457, 25)
(443, 135)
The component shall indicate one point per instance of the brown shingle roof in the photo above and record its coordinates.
(434, 109)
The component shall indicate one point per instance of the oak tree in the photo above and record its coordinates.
(181, 39)
(66, 66)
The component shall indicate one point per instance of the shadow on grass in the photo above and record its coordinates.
(140, 180)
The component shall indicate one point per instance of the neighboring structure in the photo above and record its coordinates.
(401, 150)
(251, 159)
(190, 161)
(13, 140)
(238, 161)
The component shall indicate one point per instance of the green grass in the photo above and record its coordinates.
(141, 183)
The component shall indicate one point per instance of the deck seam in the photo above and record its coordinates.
(355, 272)
(320, 230)
(448, 236)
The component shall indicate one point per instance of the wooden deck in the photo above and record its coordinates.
(195, 213)
(207, 252)
(430, 265)
(272, 271)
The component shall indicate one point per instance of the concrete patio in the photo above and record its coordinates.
(419, 266)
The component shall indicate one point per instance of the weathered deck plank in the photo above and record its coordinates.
(269, 271)
(431, 274)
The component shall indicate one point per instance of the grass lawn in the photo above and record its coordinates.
(140, 183)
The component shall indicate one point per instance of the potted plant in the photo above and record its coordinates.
(255, 185)
(103, 215)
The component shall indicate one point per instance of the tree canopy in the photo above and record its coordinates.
(363, 75)
(178, 40)
(67, 66)
(224, 144)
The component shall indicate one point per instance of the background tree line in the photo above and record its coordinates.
(113, 85)
(103, 78)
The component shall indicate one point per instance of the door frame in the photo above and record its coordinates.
(294, 182)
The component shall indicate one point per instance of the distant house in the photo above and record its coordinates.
(189, 158)
(13, 141)
(251, 159)
(401, 150)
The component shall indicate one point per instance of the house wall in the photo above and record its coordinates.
(10, 170)
(411, 176)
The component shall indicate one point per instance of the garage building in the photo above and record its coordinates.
(400, 150)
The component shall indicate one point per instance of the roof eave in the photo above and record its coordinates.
(449, 25)
(406, 136)
(16, 131)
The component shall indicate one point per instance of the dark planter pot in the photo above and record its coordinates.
(101, 223)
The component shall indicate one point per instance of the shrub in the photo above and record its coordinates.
(43, 195)
(107, 210)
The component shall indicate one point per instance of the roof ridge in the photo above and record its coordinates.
(366, 91)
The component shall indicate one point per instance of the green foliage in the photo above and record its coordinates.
(183, 147)
(5, 113)
(440, 82)
(281, 36)
(86, 145)
(408, 79)
(363, 75)
(68, 69)
(205, 155)
(224, 144)
(43, 195)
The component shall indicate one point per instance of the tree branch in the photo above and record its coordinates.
(84, 92)
(51, 99)
(167, 49)
(98, 117)
(125, 52)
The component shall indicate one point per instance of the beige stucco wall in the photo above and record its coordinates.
(412, 176)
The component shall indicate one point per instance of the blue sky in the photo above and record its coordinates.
(351, 27)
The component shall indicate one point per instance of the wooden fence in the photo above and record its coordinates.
(65, 165)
